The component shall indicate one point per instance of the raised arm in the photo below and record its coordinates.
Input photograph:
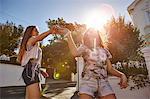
(71, 44)
(40, 37)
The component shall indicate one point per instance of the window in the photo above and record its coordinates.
(148, 15)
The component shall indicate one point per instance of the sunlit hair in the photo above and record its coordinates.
(92, 32)
(26, 36)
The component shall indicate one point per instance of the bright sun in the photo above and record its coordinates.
(96, 18)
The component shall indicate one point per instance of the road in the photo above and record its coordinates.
(55, 90)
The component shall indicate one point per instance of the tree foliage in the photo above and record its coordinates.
(124, 40)
(57, 54)
(125, 44)
(9, 38)
(75, 28)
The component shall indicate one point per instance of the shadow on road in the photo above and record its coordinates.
(12, 92)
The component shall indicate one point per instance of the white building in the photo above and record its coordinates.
(139, 11)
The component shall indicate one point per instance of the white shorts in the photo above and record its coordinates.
(89, 86)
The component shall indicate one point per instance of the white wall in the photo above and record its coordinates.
(10, 75)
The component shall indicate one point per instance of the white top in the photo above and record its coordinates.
(33, 52)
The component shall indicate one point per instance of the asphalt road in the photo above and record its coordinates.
(54, 90)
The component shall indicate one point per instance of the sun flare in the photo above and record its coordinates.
(96, 18)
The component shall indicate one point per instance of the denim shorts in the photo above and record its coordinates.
(27, 74)
(90, 86)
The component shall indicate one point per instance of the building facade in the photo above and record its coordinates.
(139, 11)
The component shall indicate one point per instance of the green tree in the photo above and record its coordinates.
(57, 54)
(60, 22)
(124, 40)
(9, 38)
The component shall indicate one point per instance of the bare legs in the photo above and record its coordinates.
(111, 96)
(85, 96)
(33, 91)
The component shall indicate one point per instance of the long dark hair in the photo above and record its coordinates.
(26, 36)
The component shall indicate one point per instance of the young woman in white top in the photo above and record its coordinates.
(30, 56)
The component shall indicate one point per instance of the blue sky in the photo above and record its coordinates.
(36, 12)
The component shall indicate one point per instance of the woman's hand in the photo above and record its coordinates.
(64, 31)
(123, 81)
(44, 74)
(55, 29)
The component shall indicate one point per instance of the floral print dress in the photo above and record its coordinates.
(95, 61)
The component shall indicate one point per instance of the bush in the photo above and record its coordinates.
(139, 76)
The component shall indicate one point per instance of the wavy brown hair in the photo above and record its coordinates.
(92, 32)
(26, 36)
